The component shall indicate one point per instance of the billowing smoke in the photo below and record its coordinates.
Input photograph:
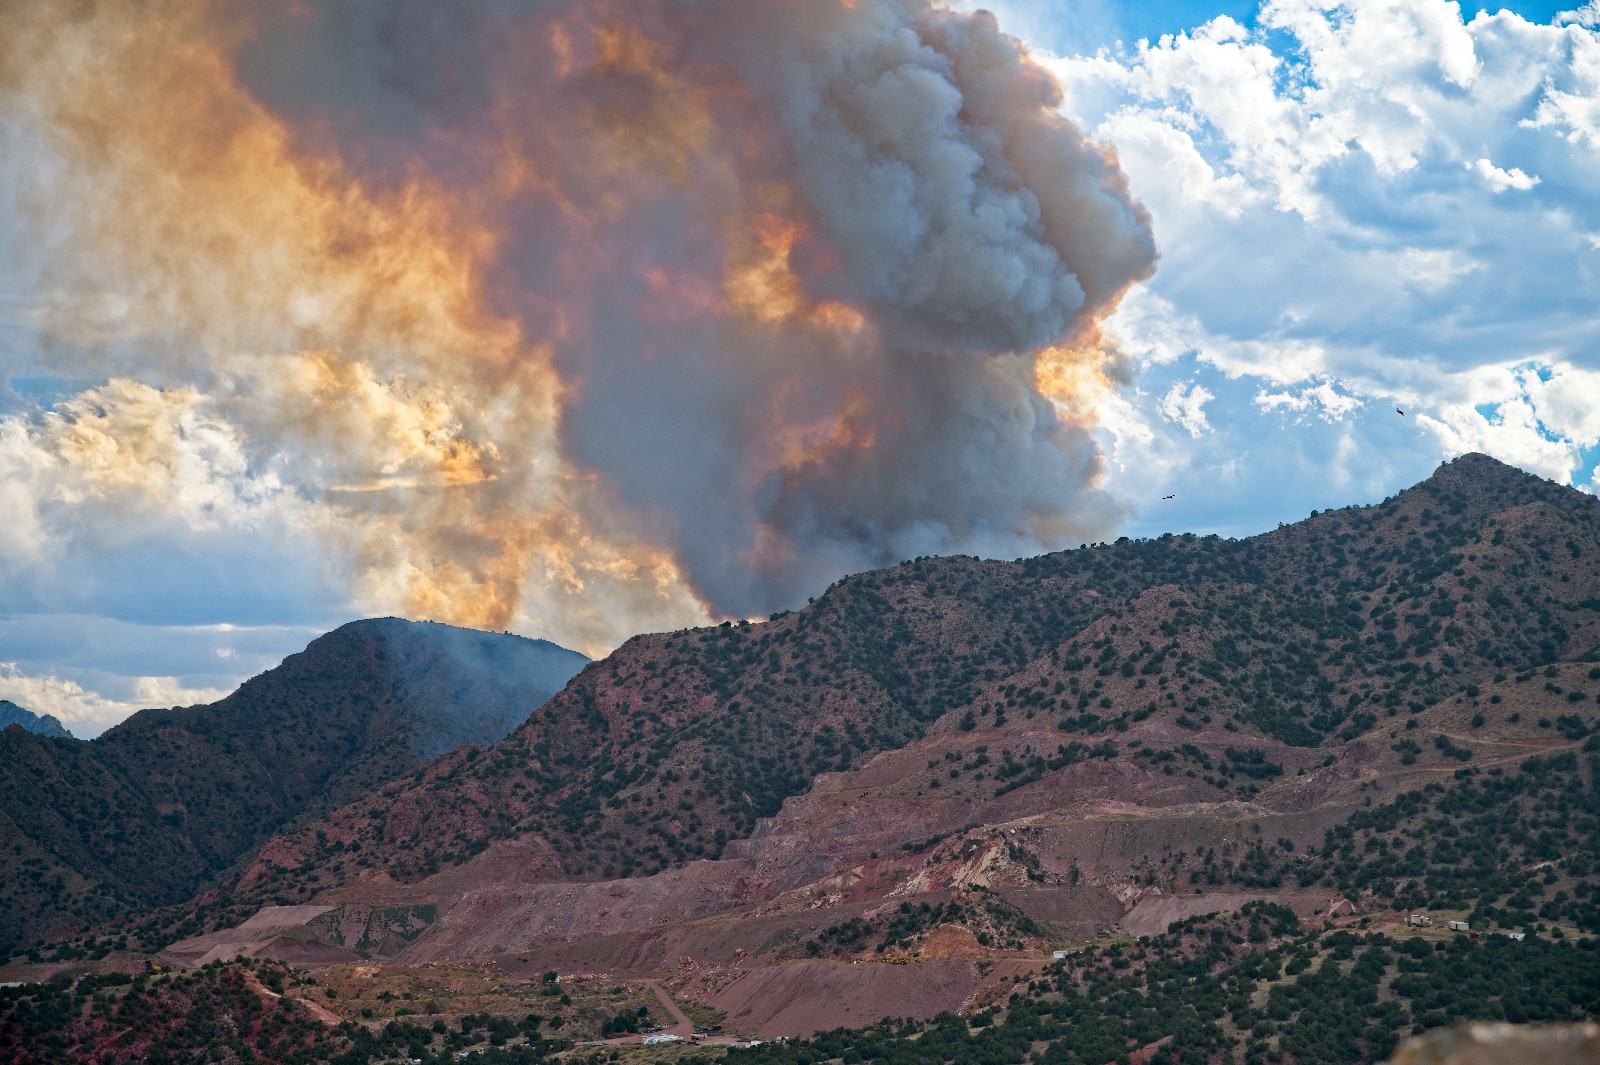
(589, 316)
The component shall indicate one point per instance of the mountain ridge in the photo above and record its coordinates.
(38, 724)
(872, 687)
(683, 755)
(169, 798)
(1209, 772)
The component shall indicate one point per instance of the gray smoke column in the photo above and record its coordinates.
(777, 290)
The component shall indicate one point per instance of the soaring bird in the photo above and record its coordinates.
(1166, 497)
(1400, 412)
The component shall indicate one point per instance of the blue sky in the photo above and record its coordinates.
(1391, 209)
(1358, 208)
(1072, 27)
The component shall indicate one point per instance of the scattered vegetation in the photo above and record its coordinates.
(1313, 635)
(992, 920)
(1340, 629)
(237, 1012)
(1250, 987)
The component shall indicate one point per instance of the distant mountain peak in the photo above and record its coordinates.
(39, 724)
(1479, 473)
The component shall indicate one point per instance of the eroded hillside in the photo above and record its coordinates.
(905, 795)
(1317, 635)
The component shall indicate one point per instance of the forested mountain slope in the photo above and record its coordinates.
(159, 805)
(901, 798)
(1311, 636)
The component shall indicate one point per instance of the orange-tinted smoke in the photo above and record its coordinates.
(591, 317)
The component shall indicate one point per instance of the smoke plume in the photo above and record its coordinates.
(587, 316)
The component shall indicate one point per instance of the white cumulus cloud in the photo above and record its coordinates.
(1363, 208)
(85, 712)
(1587, 15)
(1323, 399)
(1500, 180)
(1185, 405)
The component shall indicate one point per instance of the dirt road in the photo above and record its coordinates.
(682, 1025)
(322, 1014)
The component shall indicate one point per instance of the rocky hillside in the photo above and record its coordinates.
(1317, 638)
(158, 806)
(40, 724)
(900, 800)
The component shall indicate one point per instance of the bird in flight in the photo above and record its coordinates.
(1166, 497)
(1400, 412)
